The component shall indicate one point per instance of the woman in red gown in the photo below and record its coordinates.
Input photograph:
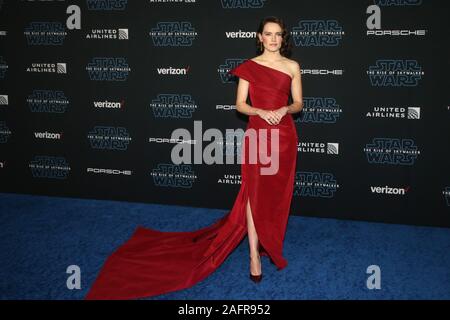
(152, 262)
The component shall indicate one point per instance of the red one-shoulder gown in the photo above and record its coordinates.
(152, 262)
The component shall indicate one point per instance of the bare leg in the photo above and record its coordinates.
(255, 260)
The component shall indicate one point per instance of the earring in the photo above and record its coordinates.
(260, 46)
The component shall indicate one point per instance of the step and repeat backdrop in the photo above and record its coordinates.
(92, 92)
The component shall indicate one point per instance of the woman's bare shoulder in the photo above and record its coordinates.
(292, 65)
(291, 62)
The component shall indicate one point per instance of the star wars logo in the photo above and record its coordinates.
(111, 138)
(242, 4)
(319, 110)
(446, 193)
(175, 176)
(107, 5)
(315, 184)
(317, 33)
(391, 151)
(45, 33)
(108, 69)
(49, 167)
(395, 73)
(50, 101)
(4, 132)
(3, 68)
(174, 106)
(173, 34)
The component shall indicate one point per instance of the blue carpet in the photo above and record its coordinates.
(41, 236)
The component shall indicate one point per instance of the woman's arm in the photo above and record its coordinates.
(241, 99)
(271, 117)
(296, 91)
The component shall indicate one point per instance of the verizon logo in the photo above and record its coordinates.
(240, 34)
(172, 70)
(389, 190)
(109, 104)
(48, 135)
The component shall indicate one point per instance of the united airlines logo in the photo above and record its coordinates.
(319, 110)
(45, 33)
(49, 101)
(3, 68)
(111, 138)
(175, 176)
(108, 34)
(173, 106)
(446, 194)
(226, 67)
(391, 151)
(106, 5)
(410, 113)
(389, 190)
(3, 100)
(60, 67)
(173, 34)
(414, 113)
(317, 33)
(4, 132)
(398, 2)
(49, 167)
(109, 104)
(318, 147)
(315, 184)
(395, 73)
(242, 4)
(108, 69)
(235, 179)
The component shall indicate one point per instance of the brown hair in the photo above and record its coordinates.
(286, 45)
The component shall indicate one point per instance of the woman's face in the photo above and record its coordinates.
(272, 36)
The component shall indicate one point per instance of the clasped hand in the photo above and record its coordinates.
(273, 117)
